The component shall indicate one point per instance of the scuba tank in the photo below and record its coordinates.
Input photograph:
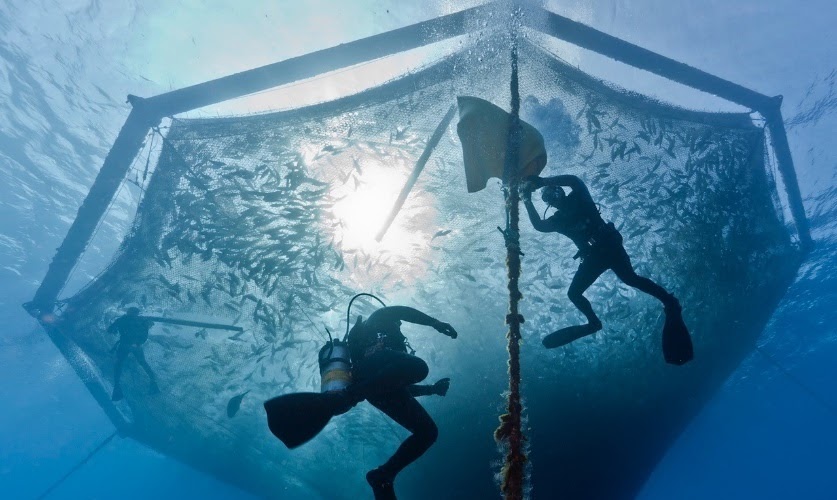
(335, 366)
(334, 357)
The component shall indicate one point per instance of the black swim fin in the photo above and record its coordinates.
(677, 343)
(296, 418)
(566, 335)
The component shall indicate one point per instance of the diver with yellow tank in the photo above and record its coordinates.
(383, 373)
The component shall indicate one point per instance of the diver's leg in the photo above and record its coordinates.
(407, 412)
(121, 356)
(588, 272)
(421, 390)
(386, 371)
(380, 373)
(621, 265)
(140, 355)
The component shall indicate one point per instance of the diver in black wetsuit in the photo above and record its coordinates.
(385, 375)
(599, 247)
(133, 332)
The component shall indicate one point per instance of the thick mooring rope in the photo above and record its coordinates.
(509, 432)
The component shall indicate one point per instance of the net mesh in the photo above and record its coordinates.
(268, 222)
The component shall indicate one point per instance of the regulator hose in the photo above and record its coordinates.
(349, 310)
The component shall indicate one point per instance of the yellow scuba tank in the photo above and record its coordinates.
(335, 366)
(335, 359)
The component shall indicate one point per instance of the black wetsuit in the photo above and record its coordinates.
(384, 374)
(133, 332)
(599, 245)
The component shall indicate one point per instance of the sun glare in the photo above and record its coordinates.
(366, 202)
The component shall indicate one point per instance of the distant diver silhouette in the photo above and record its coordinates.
(383, 373)
(600, 248)
(133, 332)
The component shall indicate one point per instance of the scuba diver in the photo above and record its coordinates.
(383, 373)
(600, 248)
(133, 332)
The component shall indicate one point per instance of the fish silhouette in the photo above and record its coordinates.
(235, 404)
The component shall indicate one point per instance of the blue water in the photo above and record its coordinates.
(65, 67)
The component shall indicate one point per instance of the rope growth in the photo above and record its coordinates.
(509, 431)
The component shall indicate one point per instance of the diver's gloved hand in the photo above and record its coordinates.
(529, 185)
(441, 386)
(445, 329)
(536, 180)
(532, 183)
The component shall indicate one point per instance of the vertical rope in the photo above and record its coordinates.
(509, 431)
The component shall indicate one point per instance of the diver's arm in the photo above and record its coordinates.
(410, 315)
(390, 314)
(113, 327)
(538, 223)
(570, 181)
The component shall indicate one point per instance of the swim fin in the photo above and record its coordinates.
(296, 418)
(566, 335)
(677, 343)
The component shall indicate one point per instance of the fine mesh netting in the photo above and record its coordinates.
(267, 222)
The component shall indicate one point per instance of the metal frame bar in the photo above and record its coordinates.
(317, 63)
(148, 112)
(113, 171)
(87, 373)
